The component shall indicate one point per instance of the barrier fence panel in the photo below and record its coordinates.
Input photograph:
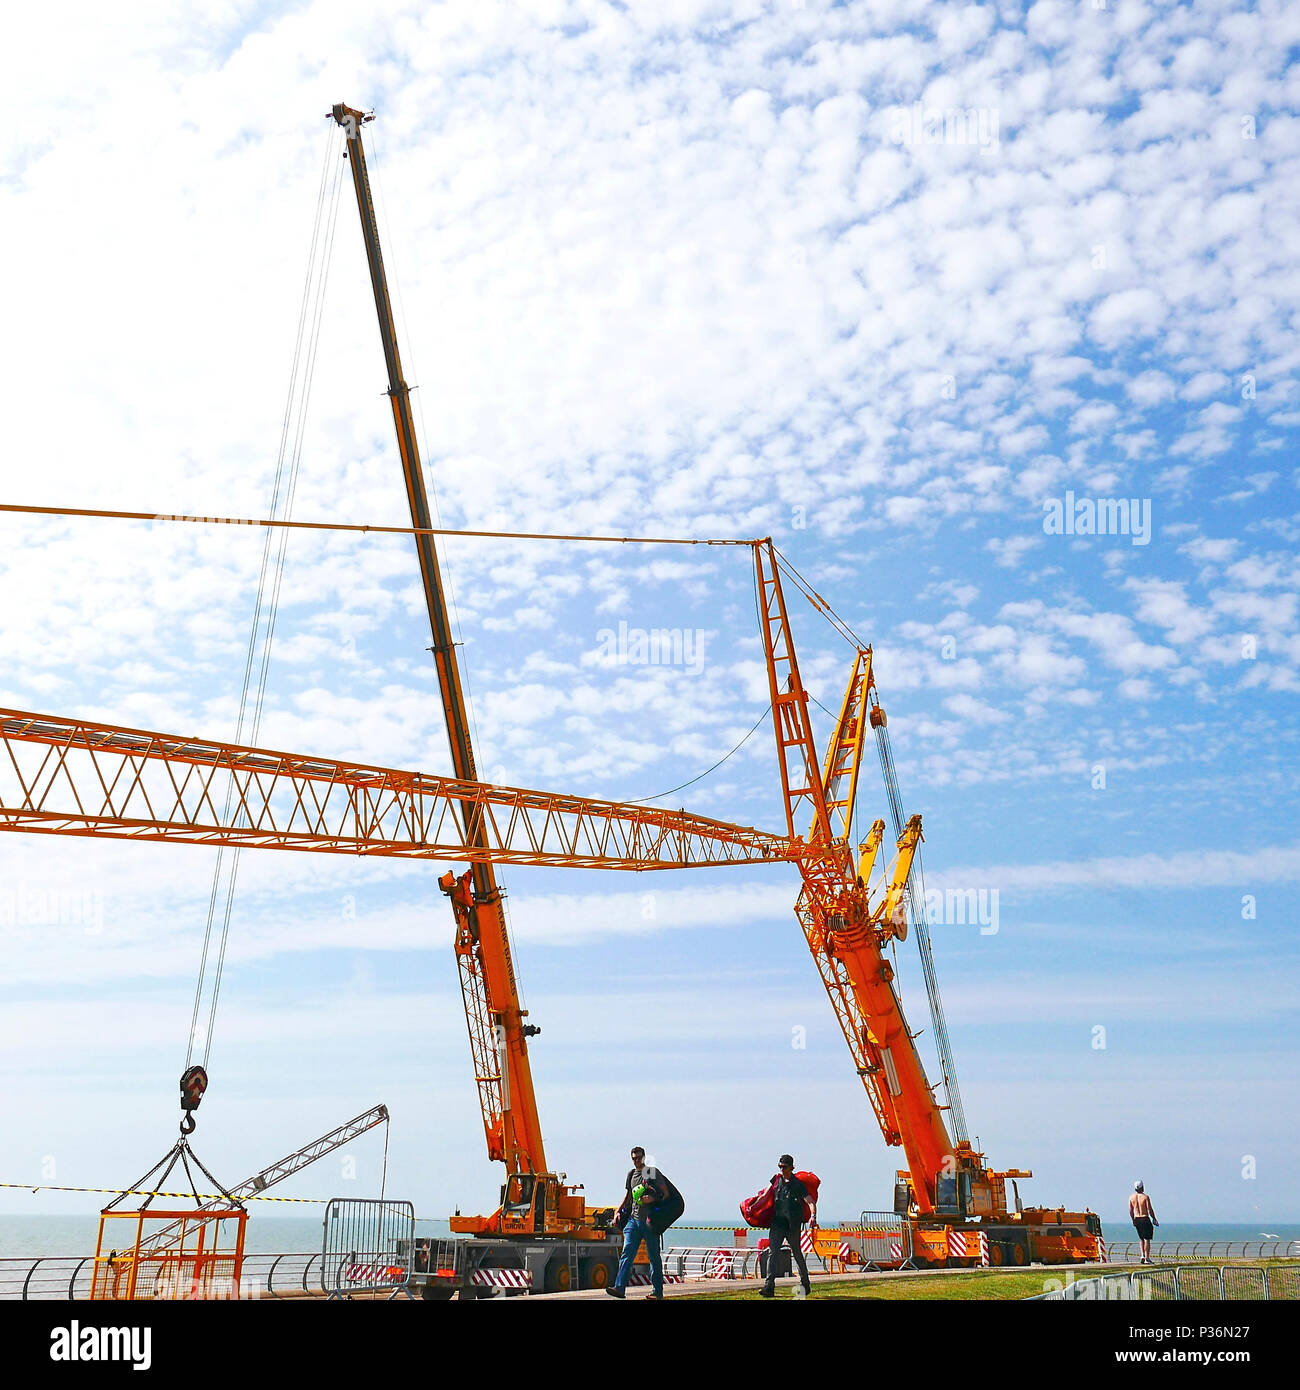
(368, 1247)
(1200, 1281)
(1245, 1282)
(883, 1239)
(1156, 1285)
(1186, 1282)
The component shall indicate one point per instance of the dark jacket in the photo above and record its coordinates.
(789, 1199)
(666, 1208)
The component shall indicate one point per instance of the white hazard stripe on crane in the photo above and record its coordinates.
(502, 1278)
(961, 1245)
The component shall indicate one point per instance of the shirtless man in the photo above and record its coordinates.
(1143, 1216)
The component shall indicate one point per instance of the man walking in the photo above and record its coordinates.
(1143, 1216)
(644, 1191)
(789, 1195)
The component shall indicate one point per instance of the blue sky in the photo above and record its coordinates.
(685, 269)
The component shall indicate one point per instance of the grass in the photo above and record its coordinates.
(973, 1285)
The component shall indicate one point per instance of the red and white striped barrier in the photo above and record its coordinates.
(374, 1274)
(501, 1278)
(636, 1277)
(984, 1249)
(806, 1242)
(1101, 1250)
(896, 1250)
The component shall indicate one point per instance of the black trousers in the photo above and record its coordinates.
(783, 1234)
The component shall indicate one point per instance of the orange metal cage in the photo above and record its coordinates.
(169, 1254)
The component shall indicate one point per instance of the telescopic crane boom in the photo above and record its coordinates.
(498, 1029)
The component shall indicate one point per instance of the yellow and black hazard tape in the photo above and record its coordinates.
(136, 1192)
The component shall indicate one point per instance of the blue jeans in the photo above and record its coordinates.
(635, 1232)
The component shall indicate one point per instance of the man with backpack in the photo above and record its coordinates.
(792, 1204)
(650, 1205)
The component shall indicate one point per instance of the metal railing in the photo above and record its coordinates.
(60, 1277)
(722, 1262)
(1178, 1283)
(1121, 1251)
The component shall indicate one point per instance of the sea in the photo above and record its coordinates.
(32, 1236)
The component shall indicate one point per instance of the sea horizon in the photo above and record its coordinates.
(42, 1235)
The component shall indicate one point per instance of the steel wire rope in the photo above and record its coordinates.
(264, 610)
(365, 528)
(642, 800)
(266, 547)
(273, 607)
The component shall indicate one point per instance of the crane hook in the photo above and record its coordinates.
(193, 1084)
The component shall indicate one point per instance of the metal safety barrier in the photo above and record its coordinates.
(1181, 1283)
(883, 1240)
(724, 1262)
(368, 1247)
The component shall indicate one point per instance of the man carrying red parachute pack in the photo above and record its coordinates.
(788, 1201)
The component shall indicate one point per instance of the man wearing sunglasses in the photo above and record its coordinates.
(645, 1191)
(789, 1196)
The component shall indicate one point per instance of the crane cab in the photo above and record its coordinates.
(539, 1204)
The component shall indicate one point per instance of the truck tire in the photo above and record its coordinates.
(597, 1274)
(559, 1277)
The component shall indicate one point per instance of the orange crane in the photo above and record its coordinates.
(535, 1202)
(956, 1206)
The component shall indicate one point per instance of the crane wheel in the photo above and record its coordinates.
(559, 1278)
(597, 1274)
(1019, 1255)
(997, 1253)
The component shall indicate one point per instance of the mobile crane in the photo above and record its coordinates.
(955, 1206)
(536, 1203)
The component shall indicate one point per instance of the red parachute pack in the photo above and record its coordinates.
(813, 1183)
(757, 1210)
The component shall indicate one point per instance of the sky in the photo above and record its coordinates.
(901, 285)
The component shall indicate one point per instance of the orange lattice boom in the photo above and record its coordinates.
(73, 777)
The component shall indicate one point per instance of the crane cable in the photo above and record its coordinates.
(265, 609)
